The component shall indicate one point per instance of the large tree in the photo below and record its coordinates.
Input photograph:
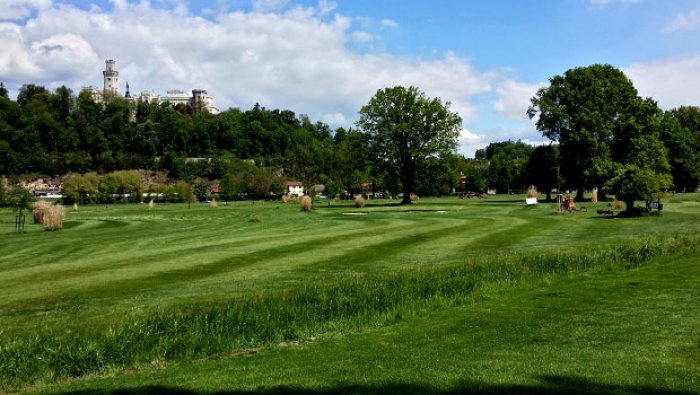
(581, 110)
(543, 169)
(681, 136)
(404, 129)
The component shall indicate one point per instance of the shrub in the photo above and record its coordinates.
(532, 192)
(359, 201)
(53, 217)
(39, 211)
(306, 203)
(617, 205)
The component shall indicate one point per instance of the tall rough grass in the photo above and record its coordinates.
(342, 302)
(306, 203)
(40, 208)
(53, 217)
(359, 201)
(532, 191)
(213, 204)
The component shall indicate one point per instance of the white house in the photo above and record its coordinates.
(295, 188)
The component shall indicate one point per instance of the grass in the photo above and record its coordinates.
(580, 333)
(167, 284)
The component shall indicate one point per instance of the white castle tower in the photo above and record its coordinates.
(111, 76)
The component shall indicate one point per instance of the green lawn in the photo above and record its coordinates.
(114, 265)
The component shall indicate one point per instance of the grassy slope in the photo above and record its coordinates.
(603, 332)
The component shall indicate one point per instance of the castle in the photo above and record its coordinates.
(198, 99)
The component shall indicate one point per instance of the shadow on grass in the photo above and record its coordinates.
(549, 385)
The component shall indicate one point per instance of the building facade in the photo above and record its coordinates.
(198, 100)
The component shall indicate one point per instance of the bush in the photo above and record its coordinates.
(306, 203)
(53, 217)
(39, 211)
(359, 201)
(532, 192)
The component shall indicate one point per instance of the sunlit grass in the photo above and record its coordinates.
(114, 272)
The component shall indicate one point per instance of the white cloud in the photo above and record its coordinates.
(390, 23)
(20, 9)
(514, 98)
(362, 36)
(470, 142)
(297, 59)
(671, 82)
(685, 21)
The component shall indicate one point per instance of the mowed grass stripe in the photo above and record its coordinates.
(122, 252)
(397, 249)
(145, 282)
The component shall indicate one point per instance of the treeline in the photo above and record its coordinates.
(253, 152)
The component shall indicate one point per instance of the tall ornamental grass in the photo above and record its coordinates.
(335, 303)
(53, 217)
(40, 208)
(306, 203)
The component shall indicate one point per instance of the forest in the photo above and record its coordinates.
(253, 152)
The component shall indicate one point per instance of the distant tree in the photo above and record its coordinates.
(124, 184)
(632, 183)
(581, 110)
(404, 129)
(507, 162)
(640, 160)
(3, 91)
(543, 169)
(81, 188)
(681, 137)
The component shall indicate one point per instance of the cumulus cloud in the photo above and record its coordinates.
(295, 58)
(514, 98)
(20, 9)
(671, 82)
(684, 21)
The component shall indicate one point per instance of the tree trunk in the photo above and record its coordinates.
(579, 194)
(629, 205)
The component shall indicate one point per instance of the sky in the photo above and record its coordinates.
(327, 58)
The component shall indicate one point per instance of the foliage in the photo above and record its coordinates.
(123, 185)
(634, 183)
(581, 110)
(604, 129)
(81, 188)
(681, 136)
(404, 129)
(507, 165)
(17, 197)
(543, 169)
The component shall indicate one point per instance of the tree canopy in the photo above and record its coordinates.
(405, 129)
(604, 129)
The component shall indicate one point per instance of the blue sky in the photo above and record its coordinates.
(327, 58)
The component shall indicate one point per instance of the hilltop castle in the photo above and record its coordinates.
(198, 99)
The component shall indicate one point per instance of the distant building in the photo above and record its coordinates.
(295, 188)
(199, 100)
